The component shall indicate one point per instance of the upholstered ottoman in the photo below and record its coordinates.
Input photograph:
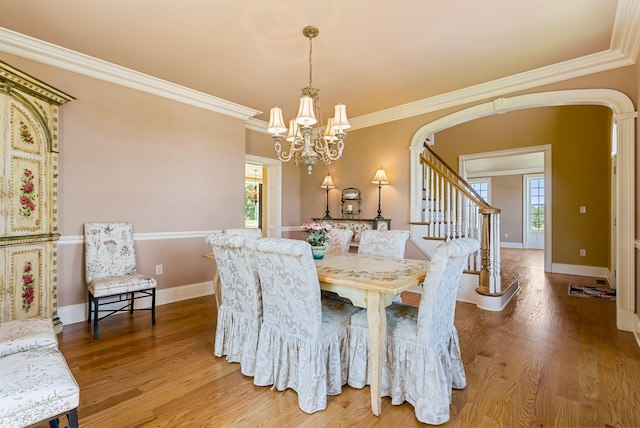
(37, 386)
(31, 333)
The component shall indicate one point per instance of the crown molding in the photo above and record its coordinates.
(258, 125)
(623, 51)
(589, 64)
(626, 29)
(48, 53)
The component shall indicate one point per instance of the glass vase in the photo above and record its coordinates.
(317, 251)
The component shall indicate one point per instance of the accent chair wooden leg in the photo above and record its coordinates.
(73, 418)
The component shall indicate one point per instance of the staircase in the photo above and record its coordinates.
(451, 209)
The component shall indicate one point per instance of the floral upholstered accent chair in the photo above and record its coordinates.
(29, 333)
(240, 313)
(303, 342)
(339, 240)
(389, 243)
(37, 386)
(110, 271)
(36, 383)
(422, 361)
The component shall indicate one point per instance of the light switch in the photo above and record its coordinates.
(583, 209)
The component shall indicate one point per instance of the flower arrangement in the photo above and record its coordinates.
(317, 232)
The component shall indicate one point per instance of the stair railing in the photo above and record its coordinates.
(453, 209)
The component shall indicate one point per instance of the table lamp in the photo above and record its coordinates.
(380, 178)
(327, 184)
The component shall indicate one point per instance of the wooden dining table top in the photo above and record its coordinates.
(386, 275)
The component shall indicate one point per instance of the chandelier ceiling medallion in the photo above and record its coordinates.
(309, 139)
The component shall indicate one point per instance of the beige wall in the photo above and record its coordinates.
(130, 156)
(579, 136)
(506, 194)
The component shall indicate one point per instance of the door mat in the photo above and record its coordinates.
(592, 292)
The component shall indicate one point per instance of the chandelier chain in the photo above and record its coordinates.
(310, 63)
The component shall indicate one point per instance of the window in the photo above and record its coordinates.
(483, 187)
(251, 204)
(253, 196)
(536, 203)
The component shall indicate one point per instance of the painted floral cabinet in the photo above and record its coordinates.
(28, 196)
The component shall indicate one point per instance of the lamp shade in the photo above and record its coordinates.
(380, 177)
(276, 123)
(340, 121)
(327, 183)
(306, 116)
(294, 131)
(329, 132)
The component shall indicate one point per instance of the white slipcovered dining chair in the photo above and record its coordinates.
(110, 272)
(240, 313)
(303, 341)
(422, 361)
(339, 240)
(388, 243)
(249, 232)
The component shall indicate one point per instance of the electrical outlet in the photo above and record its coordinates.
(583, 209)
(506, 235)
(583, 252)
(159, 269)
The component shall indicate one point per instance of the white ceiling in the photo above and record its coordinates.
(369, 55)
(527, 163)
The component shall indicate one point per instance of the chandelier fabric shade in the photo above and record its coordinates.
(310, 140)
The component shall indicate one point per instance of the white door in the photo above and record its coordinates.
(534, 212)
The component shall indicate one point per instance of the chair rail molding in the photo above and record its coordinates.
(624, 116)
(146, 236)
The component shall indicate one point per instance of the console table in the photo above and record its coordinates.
(357, 225)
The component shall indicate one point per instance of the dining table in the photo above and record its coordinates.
(371, 282)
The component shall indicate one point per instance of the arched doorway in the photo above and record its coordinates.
(623, 208)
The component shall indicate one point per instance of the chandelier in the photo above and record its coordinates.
(309, 139)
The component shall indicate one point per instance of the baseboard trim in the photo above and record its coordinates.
(518, 245)
(78, 313)
(594, 271)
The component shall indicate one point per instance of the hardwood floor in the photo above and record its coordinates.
(548, 359)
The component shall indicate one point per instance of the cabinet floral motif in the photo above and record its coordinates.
(28, 196)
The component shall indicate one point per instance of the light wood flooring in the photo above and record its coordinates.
(548, 359)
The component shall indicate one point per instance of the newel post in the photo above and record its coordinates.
(490, 282)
